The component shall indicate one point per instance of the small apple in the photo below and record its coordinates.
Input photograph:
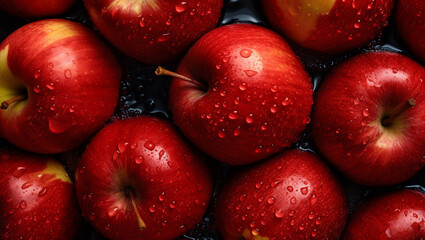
(399, 215)
(154, 31)
(37, 198)
(58, 85)
(139, 179)
(291, 196)
(410, 21)
(241, 94)
(35, 9)
(369, 118)
(331, 26)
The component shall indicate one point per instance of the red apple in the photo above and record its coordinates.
(399, 215)
(410, 20)
(35, 8)
(369, 118)
(331, 26)
(37, 198)
(139, 179)
(58, 85)
(291, 196)
(154, 31)
(247, 96)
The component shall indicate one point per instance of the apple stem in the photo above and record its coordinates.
(160, 71)
(387, 121)
(5, 104)
(140, 222)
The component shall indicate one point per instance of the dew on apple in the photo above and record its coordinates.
(68, 73)
(181, 7)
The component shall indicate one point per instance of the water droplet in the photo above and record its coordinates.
(242, 87)
(149, 145)
(57, 126)
(286, 101)
(273, 109)
(250, 73)
(50, 86)
(142, 22)
(181, 7)
(356, 25)
(279, 214)
(164, 37)
(139, 160)
(271, 200)
(249, 119)
(313, 200)
(236, 132)
(37, 73)
(42, 192)
(293, 200)
(290, 188)
(37, 89)
(304, 190)
(246, 53)
(26, 185)
(68, 73)
(23, 204)
(366, 112)
(113, 211)
(19, 172)
(233, 115)
(221, 133)
(255, 232)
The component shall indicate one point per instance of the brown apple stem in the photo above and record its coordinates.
(5, 104)
(160, 71)
(410, 103)
(140, 222)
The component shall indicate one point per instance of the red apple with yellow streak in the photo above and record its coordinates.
(241, 94)
(154, 31)
(59, 83)
(139, 179)
(369, 118)
(37, 198)
(331, 26)
(290, 196)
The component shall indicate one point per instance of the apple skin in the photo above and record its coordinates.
(297, 198)
(331, 26)
(154, 31)
(170, 181)
(410, 21)
(37, 198)
(347, 118)
(258, 99)
(398, 215)
(70, 77)
(35, 9)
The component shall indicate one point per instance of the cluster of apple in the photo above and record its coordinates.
(239, 96)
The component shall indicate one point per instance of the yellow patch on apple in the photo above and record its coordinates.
(301, 15)
(10, 85)
(57, 170)
(58, 30)
(134, 6)
(247, 234)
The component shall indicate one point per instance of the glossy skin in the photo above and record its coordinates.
(397, 216)
(65, 70)
(331, 26)
(35, 9)
(169, 179)
(258, 99)
(350, 104)
(410, 20)
(154, 31)
(37, 198)
(298, 198)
